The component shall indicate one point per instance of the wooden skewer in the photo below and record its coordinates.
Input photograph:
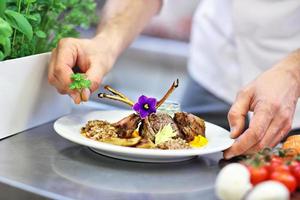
(169, 92)
(116, 92)
(117, 98)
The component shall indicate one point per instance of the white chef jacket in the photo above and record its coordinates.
(233, 41)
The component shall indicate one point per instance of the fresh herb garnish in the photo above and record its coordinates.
(79, 82)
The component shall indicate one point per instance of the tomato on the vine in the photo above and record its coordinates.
(268, 166)
(275, 163)
(258, 174)
(281, 168)
(276, 159)
(285, 178)
(295, 170)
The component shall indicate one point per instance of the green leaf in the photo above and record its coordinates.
(41, 34)
(29, 1)
(165, 134)
(2, 7)
(5, 28)
(86, 83)
(19, 22)
(79, 82)
(72, 86)
(1, 55)
(6, 46)
(77, 77)
(36, 18)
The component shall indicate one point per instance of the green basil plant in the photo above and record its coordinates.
(29, 27)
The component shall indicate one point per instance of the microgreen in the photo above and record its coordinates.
(79, 82)
(29, 27)
(165, 134)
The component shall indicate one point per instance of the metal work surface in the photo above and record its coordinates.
(38, 162)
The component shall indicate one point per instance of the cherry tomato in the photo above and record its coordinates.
(281, 168)
(293, 165)
(285, 178)
(275, 163)
(276, 159)
(295, 170)
(258, 174)
(268, 166)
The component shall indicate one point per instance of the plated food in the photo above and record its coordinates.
(69, 127)
(147, 128)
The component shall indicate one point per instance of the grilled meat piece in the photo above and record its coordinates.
(190, 125)
(127, 125)
(152, 124)
(99, 129)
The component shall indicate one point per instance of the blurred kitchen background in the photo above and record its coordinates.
(157, 57)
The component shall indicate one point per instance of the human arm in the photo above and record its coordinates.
(121, 22)
(272, 97)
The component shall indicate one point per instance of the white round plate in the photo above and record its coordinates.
(69, 127)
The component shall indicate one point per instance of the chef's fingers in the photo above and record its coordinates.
(280, 126)
(59, 77)
(95, 74)
(280, 135)
(257, 128)
(238, 112)
(66, 59)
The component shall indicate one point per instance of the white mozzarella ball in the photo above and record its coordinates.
(269, 190)
(233, 182)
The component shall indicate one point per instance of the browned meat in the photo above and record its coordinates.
(190, 125)
(99, 129)
(127, 125)
(152, 124)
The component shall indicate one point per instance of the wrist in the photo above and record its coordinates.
(295, 58)
(107, 47)
(110, 43)
(292, 66)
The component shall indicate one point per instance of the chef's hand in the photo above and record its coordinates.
(121, 22)
(95, 62)
(272, 97)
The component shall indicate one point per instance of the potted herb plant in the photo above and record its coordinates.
(28, 30)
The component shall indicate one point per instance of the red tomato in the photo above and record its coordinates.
(258, 174)
(282, 168)
(268, 166)
(285, 178)
(276, 163)
(295, 170)
(276, 159)
(293, 165)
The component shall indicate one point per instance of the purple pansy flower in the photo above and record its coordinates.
(145, 106)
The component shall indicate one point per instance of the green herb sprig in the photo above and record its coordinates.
(79, 82)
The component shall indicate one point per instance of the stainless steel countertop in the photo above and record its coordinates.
(40, 163)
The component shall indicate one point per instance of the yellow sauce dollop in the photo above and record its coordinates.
(199, 141)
